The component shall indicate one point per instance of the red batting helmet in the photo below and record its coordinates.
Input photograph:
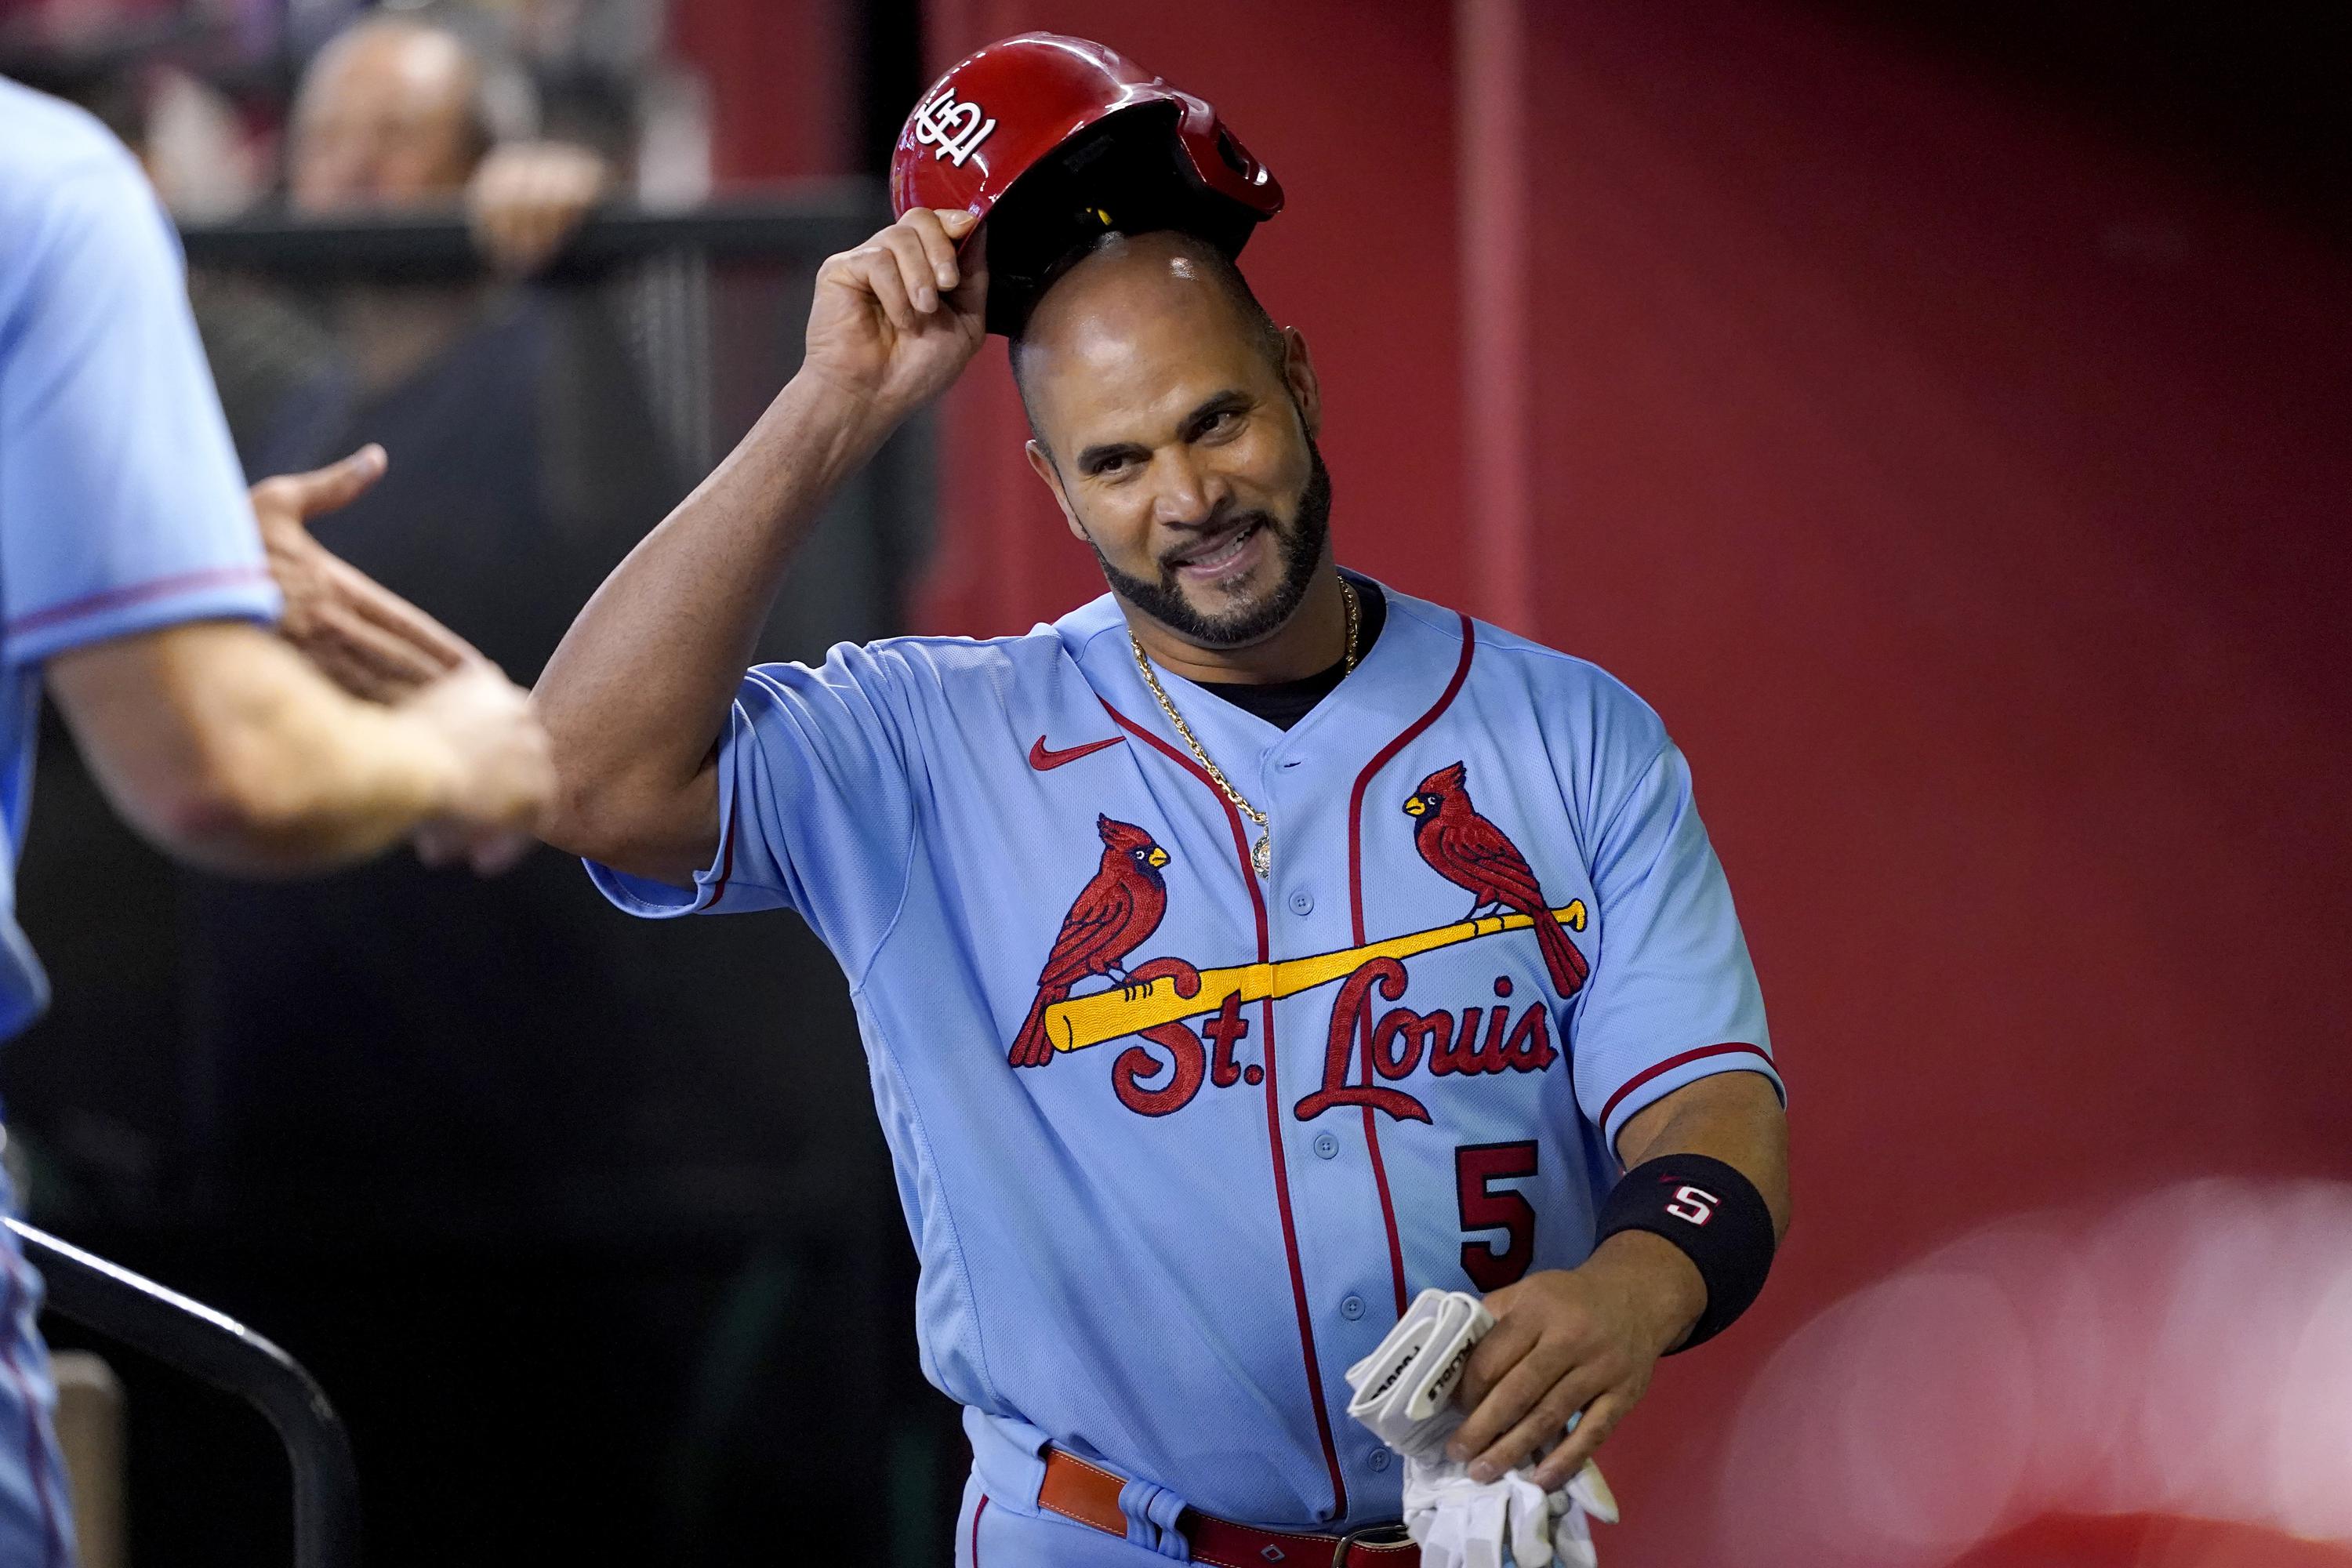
(1054, 140)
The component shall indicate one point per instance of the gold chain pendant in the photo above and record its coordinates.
(1261, 852)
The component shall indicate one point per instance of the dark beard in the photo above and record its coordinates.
(1302, 544)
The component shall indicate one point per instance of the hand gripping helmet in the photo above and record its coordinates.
(1056, 141)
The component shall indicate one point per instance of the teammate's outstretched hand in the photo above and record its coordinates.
(503, 777)
(1572, 1344)
(362, 635)
(894, 321)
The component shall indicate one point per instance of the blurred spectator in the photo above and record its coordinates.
(523, 463)
(395, 113)
(503, 405)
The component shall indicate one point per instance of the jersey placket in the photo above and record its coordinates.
(1227, 733)
(1338, 1194)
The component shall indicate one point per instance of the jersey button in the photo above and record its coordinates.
(1380, 1460)
(1352, 1307)
(1302, 902)
(1326, 1145)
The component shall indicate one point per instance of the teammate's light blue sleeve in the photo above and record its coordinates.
(121, 506)
(816, 810)
(1673, 996)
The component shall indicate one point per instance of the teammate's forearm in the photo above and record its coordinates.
(636, 694)
(321, 784)
(222, 746)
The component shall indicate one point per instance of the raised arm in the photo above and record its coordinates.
(637, 695)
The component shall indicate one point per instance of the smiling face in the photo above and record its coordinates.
(1175, 426)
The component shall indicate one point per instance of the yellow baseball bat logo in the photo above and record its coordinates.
(1089, 1020)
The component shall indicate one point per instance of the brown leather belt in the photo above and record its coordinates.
(1089, 1495)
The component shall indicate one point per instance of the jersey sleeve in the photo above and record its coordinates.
(1673, 996)
(121, 506)
(814, 806)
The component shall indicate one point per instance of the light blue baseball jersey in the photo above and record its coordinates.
(122, 510)
(1178, 1142)
(121, 506)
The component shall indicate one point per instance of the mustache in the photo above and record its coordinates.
(1238, 523)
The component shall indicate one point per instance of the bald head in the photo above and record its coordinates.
(1126, 298)
(391, 112)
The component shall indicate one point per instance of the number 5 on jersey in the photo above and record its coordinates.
(1477, 1167)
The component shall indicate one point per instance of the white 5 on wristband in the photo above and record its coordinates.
(1404, 1389)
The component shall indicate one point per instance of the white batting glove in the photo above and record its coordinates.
(1462, 1523)
(1404, 1392)
(1404, 1389)
(1586, 1498)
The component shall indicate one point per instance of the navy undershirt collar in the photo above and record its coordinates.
(1283, 703)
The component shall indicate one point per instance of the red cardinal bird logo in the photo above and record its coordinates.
(1473, 853)
(1117, 913)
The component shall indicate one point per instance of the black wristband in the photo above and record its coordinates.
(1710, 1211)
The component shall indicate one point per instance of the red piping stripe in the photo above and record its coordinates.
(1729, 1048)
(1356, 909)
(975, 1528)
(726, 857)
(138, 594)
(1273, 1103)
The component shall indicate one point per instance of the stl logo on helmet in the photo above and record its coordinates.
(956, 129)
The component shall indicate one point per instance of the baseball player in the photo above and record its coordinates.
(135, 588)
(1247, 953)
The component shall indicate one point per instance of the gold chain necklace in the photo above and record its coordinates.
(1261, 852)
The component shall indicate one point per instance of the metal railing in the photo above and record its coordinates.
(191, 1337)
(810, 220)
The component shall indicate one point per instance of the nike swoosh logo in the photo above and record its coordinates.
(1041, 759)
